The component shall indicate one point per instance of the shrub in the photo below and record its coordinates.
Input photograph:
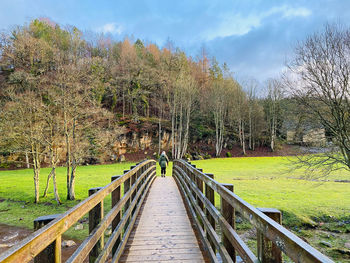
(207, 156)
(228, 154)
(188, 157)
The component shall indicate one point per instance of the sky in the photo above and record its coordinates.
(255, 38)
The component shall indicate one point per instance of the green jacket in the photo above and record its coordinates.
(163, 161)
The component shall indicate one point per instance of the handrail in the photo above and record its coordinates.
(140, 177)
(187, 177)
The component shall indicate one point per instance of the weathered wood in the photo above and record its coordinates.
(199, 183)
(86, 246)
(51, 254)
(127, 185)
(191, 201)
(120, 250)
(115, 199)
(290, 244)
(149, 241)
(226, 228)
(118, 230)
(95, 217)
(228, 212)
(268, 252)
(31, 246)
(210, 195)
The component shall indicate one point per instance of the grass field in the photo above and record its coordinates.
(269, 182)
(313, 209)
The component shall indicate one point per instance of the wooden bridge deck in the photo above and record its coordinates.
(163, 231)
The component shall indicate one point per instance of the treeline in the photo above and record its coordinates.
(64, 94)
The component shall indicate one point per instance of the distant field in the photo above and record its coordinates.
(269, 182)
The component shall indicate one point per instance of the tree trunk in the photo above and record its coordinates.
(47, 184)
(160, 129)
(250, 130)
(36, 170)
(243, 139)
(27, 160)
(53, 171)
(72, 182)
(71, 190)
(55, 186)
(68, 147)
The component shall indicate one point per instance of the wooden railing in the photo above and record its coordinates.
(44, 245)
(216, 228)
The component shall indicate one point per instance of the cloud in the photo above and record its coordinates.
(112, 28)
(289, 12)
(235, 24)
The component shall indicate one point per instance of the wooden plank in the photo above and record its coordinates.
(117, 232)
(91, 240)
(234, 238)
(162, 236)
(95, 217)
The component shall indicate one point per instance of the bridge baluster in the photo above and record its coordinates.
(228, 213)
(52, 253)
(209, 193)
(127, 204)
(268, 252)
(199, 184)
(95, 217)
(115, 199)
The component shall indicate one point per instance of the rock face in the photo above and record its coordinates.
(134, 142)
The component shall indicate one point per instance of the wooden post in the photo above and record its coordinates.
(133, 180)
(228, 212)
(127, 204)
(199, 183)
(193, 179)
(52, 253)
(115, 199)
(268, 252)
(209, 194)
(95, 217)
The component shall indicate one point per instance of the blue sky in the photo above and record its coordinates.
(255, 38)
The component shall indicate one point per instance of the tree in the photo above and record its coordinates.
(273, 109)
(319, 79)
(218, 104)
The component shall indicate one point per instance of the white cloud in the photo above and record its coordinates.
(288, 12)
(238, 24)
(112, 28)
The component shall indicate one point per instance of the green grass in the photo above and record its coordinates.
(269, 182)
(17, 193)
(309, 208)
(261, 181)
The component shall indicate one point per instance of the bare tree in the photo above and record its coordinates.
(272, 108)
(319, 80)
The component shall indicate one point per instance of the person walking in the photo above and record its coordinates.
(163, 162)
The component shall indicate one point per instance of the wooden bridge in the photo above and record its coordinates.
(188, 217)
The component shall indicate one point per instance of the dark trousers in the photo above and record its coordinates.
(163, 170)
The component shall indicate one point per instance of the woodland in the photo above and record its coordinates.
(65, 91)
